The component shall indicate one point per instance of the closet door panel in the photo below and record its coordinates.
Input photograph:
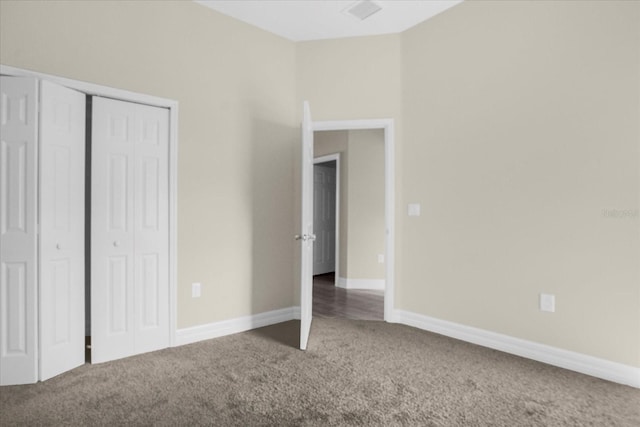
(112, 265)
(18, 230)
(62, 278)
(152, 228)
(129, 229)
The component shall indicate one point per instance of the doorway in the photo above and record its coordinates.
(387, 126)
(354, 160)
(306, 236)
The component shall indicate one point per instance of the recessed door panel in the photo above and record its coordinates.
(62, 115)
(4, 108)
(150, 301)
(117, 189)
(18, 105)
(117, 301)
(62, 315)
(14, 171)
(150, 187)
(62, 198)
(151, 133)
(14, 310)
(119, 128)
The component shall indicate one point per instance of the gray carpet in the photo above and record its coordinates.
(354, 373)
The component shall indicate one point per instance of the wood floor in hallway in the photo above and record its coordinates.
(332, 301)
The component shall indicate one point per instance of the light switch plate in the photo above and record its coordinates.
(414, 209)
(196, 290)
(548, 303)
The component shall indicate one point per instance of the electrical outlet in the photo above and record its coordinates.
(381, 258)
(413, 209)
(548, 303)
(196, 290)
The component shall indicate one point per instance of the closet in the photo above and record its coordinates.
(50, 233)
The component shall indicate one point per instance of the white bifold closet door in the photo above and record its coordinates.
(41, 179)
(18, 230)
(62, 209)
(129, 229)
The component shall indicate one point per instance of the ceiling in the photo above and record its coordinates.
(302, 20)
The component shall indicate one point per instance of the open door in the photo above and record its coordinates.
(306, 237)
(62, 276)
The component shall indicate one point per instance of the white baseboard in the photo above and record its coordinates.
(589, 365)
(233, 326)
(370, 284)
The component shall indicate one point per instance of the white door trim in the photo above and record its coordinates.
(334, 158)
(389, 185)
(172, 105)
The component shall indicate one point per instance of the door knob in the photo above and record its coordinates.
(58, 246)
(116, 243)
(305, 237)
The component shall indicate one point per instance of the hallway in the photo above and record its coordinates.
(332, 301)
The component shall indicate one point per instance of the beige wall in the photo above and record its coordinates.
(237, 126)
(520, 128)
(354, 78)
(366, 205)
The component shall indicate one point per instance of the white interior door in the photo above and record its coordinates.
(129, 229)
(62, 178)
(18, 234)
(324, 218)
(306, 237)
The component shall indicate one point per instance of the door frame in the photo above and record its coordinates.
(334, 158)
(389, 195)
(140, 98)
